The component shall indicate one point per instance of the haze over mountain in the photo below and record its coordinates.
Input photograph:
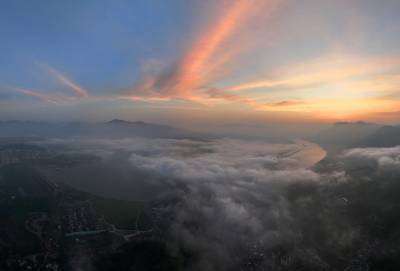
(344, 134)
(335, 137)
(385, 136)
(357, 134)
(115, 128)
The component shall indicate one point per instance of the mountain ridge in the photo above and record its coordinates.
(116, 128)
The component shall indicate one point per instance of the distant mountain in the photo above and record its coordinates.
(124, 122)
(113, 129)
(345, 134)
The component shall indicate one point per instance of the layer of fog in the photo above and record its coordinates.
(235, 204)
(141, 169)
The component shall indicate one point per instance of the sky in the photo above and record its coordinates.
(200, 62)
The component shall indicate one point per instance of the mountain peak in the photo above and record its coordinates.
(119, 121)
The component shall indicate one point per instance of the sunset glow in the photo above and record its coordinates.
(239, 55)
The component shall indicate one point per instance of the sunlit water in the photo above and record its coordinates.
(309, 153)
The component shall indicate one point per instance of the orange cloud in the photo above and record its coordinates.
(217, 95)
(329, 70)
(285, 103)
(57, 98)
(207, 57)
(197, 61)
(331, 109)
(79, 91)
(140, 98)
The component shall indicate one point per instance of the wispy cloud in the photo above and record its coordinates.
(78, 90)
(197, 62)
(54, 99)
(140, 98)
(327, 70)
(206, 59)
(214, 50)
(334, 109)
(285, 103)
(218, 95)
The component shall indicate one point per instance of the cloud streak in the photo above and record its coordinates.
(327, 70)
(206, 59)
(78, 90)
(53, 99)
(197, 62)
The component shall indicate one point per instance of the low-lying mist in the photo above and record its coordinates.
(230, 204)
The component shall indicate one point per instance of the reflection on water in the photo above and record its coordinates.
(309, 153)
